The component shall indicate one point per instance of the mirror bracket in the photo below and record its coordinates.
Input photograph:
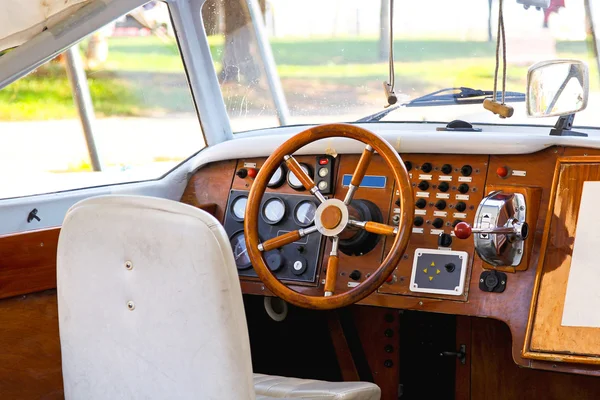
(563, 127)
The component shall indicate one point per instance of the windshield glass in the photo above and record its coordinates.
(317, 61)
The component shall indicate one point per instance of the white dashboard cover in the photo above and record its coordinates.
(186, 337)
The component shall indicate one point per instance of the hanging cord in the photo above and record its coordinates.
(500, 37)
(388, 86)
(392, 75)
(498, 107)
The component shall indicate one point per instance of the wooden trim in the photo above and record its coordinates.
(526, 351)
(28, 262)
(341, 348)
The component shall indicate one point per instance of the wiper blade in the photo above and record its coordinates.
(445, 97)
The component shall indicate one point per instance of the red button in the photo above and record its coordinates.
(462, 230)
(323, 161)
(252, 172)
(502, 172)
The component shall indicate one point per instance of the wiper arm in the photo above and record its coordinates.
(445, 97)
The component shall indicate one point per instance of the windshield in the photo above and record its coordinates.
(318, 61)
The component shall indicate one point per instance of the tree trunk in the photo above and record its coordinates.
(384, 30)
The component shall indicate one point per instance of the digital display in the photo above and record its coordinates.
(369, 181)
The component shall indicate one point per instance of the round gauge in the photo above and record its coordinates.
(238, 207)
(305, 212)
(240, 253)
(293, 180)
(277, 178)
(273, 210)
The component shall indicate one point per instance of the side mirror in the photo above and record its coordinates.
(557, 87)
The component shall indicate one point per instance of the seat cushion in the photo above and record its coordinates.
(269, 387)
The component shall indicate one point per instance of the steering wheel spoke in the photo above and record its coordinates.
(286, 238)
(359, 173)
(332, 268)
(303, 177)
(375, 227)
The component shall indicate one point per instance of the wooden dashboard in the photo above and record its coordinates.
(530, 174)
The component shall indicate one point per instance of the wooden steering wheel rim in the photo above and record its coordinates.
(357, 293)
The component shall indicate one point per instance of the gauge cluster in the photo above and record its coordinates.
(279, 213)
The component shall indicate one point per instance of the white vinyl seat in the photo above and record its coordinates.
(150, 307)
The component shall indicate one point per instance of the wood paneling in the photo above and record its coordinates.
(28, 262)
(547, 333)
(30, 363)
(211, 185)
(494, 375)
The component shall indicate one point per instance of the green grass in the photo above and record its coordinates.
(145, 76)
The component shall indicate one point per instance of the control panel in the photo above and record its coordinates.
(279, 214)
(447, 190)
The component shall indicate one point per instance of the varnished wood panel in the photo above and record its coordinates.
(30, 363)
(547, 333)
(462, 383)
(211, 185)
(28, 262)
(494, 375)
(371, 324)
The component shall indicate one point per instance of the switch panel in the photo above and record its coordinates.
(439, 271)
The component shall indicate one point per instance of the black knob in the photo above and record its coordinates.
(460, 206)
(408, 165)
(426, 167)
(450, 267)
(274, 261)
(301, 249)
(397, 202)
(444, 240)
(446, 168)
(354, 275)
(388, 363)
(440, 205)
(443, 187)
(421, 203)
(388, 332)
(463, 188)
(388, 348)
(418, 221)
(424, 185)
(456, 222)
(466, 170)
(438, 223)
(242, 173)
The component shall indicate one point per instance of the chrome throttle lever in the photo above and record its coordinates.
(462, 230)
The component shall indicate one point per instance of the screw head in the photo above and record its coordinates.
(131, 305)
(129, 265)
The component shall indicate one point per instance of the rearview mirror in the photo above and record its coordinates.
(557, 87)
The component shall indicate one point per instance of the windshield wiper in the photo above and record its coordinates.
(446, 97)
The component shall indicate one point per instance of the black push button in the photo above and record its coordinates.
(424, 185)
(354, 275)
(460, 206)
(408, 165)
(463, 188)
(418, 221)
(446, 168)
(426, 167)
(443, 187)
(438, 223)
(444, 240)
(466, 170)
(421, 203)
(440, 205)
(450, 267)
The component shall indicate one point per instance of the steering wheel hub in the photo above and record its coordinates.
(331, 217)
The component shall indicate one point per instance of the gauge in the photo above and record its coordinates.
(273, 210)
(277, 178)
(240, 253)
(305, 213)
(238, 207)
(293, 180)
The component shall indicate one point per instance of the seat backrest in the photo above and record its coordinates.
(150, 305)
